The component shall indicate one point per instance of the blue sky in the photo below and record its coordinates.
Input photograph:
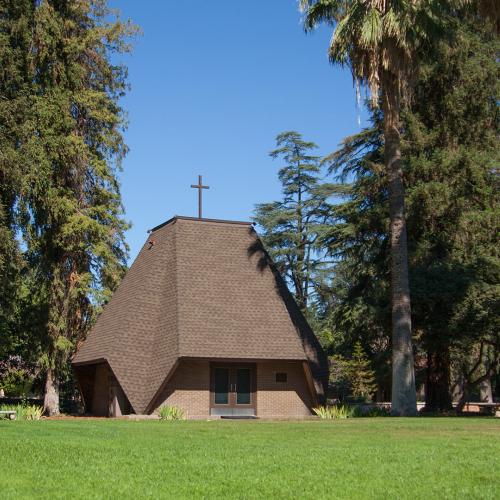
(212, 84)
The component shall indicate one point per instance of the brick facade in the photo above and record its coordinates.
(189, 389)
(290, 399)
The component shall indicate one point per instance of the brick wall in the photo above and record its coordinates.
(189, 389)
(290, 399)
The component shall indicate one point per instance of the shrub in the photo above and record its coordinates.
(379, 411)
(33, 412)
(171, 413)
(17, 383)
(335, 412)
(16, 377)
(24, 412)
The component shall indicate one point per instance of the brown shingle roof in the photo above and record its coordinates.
(202, 288)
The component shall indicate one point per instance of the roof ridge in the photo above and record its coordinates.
(175, 218)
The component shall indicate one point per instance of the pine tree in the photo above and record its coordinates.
(16, 85)
(292, 226)
(362, 377)
(70, 206)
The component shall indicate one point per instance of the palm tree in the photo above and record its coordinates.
(381, 42)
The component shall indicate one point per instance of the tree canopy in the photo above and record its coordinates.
(61, 151)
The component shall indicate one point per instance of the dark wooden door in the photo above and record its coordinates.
(233, 389)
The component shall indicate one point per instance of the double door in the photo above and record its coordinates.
(232, 389)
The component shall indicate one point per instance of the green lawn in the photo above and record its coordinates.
(357, 458)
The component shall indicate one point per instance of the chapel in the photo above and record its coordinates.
(202, 321)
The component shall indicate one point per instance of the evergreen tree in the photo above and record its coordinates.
(69, 207)
(351, 376)
(383, 43)
(362, 376)
(291, 227)
(452, 145)
(16, 86)
(359, 308)
(451, 150)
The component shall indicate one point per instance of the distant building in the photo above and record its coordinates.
(202, 321)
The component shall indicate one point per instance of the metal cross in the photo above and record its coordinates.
(199, 187)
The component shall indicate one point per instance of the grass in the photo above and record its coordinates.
(354, 458)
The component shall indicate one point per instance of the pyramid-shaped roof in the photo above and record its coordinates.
(198, 288)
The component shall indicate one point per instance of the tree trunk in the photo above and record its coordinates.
(404, 399)
(51, 399)
(302, 293)
(464, 398)
(485, 392)
(437, 388)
